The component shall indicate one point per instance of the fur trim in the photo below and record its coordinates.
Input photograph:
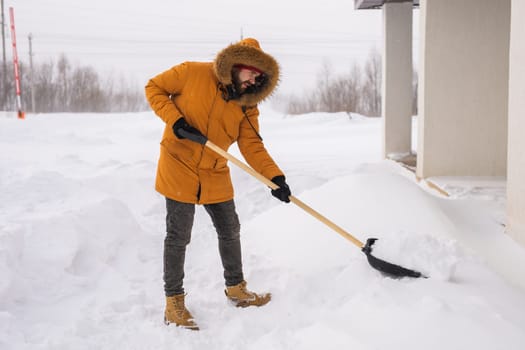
(247, 52)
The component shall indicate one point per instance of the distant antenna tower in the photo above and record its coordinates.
(242, 36)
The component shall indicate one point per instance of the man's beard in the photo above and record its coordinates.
(239, 88)
(246, 87)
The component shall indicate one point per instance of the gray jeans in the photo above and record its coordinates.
(179, 222)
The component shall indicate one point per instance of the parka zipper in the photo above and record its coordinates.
(249, 122)
(199, 193)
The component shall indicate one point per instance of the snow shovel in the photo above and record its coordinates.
(385, 267)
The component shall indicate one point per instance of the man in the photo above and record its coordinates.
(218, 100)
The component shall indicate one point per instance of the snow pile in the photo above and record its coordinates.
(430, 256)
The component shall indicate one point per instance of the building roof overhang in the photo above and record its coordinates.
(376, 4)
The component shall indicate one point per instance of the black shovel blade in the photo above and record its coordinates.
(385, 267)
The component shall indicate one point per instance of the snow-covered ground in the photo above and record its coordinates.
(81, 234)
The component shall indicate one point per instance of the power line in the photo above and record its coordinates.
(216, 38)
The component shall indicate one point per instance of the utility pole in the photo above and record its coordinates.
(31, 75)
(3, 100)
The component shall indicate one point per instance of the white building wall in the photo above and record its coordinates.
(463, 96)
(516, 141)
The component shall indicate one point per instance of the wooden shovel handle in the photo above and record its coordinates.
(293, 199)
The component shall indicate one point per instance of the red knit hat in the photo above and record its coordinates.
(245, 66)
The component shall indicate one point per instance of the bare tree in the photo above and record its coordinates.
(63, 67)
(358, 91)
(45, 88)
(7, 95)
(347, 90)
(85, 91)
(61, 87)
(371, 92)
(326, 96)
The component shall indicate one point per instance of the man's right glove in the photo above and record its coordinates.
(181, 126)
(283, 193)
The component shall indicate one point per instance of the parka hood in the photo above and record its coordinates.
(247, 52)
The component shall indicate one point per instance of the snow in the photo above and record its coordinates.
(82, 229)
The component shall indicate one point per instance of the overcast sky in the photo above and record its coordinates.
(142, 38)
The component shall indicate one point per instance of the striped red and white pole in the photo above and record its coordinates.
(21, 114)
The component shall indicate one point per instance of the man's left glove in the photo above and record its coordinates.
(283, 193)
(183, 130)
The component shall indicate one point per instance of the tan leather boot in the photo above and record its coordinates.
(177, 313)
(242, 297)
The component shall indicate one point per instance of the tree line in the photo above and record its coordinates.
(357, 91)
(60, 86)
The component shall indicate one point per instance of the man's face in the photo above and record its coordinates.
(246, 78)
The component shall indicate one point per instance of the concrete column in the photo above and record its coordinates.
(516, 146)
(463, 96)
(397, 78)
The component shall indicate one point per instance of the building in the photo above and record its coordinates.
(471, 90)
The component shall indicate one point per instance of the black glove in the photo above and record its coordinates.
(283, 192)
(181, 127)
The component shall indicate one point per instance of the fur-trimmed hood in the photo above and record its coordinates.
(247, 52)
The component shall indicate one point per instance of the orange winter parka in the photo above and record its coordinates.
(190, 172)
